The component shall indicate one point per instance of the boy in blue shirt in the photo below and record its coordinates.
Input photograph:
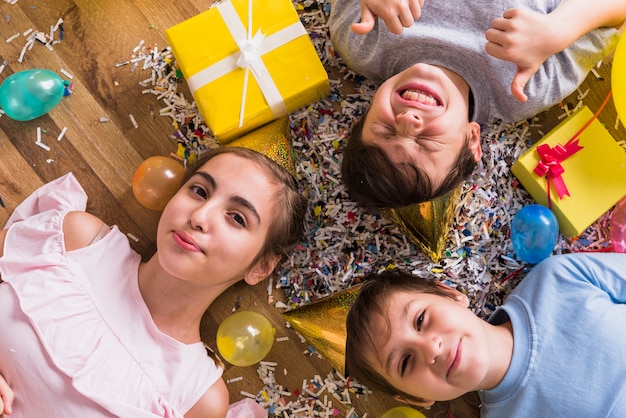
(556, 347)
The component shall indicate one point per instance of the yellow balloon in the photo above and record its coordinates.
(244, 338)
(618, 79)
(403, 412)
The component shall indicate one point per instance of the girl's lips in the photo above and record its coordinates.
(455, 358)
(184, 241)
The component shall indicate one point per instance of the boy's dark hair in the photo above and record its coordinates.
(373, 299)
(287, 228)
(374, 180)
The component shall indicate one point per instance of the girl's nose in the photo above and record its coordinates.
(200, 218)
(409, 124)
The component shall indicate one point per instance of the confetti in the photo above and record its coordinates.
(42, 145)
(35, 36)
(62, 134)
(134, 122)
(68, 75)
(11, 38)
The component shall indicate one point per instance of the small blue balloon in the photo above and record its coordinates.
(534, 232)
(28, 94)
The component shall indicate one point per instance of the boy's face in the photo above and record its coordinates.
(420, 116)
(435, 348)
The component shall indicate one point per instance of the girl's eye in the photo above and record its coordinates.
(200, 191)
(239, 219)
(419, 321)
(403, 365)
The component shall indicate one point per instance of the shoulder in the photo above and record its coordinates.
(214, 402)
(80, 228)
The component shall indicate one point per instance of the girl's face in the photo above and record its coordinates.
(217, 223)
(420, 116)
(435, 348)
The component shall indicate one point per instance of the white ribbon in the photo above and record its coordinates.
(251, 49)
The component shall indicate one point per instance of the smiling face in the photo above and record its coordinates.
(431, 346)
(420, 116)
(214, 227)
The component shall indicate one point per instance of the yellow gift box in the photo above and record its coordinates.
(595, 175)
(247, 62)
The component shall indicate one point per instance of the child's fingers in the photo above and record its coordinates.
(415, 6)
(6, 398)
(406, 19)
(496, 50)
(519, 82)
(368, 19)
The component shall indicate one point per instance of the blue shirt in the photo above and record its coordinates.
(569, 331)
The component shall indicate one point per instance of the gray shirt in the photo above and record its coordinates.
(451, 34)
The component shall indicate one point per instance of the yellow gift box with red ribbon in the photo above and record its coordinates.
(247, 62)
(577, 169)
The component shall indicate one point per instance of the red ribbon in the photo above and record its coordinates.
(551, 158)
(550, 164)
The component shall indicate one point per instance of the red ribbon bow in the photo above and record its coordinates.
(550, 164)
(551, 158)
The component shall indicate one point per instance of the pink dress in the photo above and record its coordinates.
(76, 338)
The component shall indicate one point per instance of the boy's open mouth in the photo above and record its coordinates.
(419, 96)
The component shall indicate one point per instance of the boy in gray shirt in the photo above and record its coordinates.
(449, 67)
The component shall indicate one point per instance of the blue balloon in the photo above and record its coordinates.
(534, 232)
(28, 94)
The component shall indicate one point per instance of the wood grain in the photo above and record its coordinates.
(104, 155)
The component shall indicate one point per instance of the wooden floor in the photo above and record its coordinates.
(104, 155)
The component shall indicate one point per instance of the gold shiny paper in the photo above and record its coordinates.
(428, 223)
(323, 324)
(273, 140)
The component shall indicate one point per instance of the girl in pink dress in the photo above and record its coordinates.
(89, 330)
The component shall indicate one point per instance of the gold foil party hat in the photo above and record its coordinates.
(323, 324)
(428, 223)
(272, 140)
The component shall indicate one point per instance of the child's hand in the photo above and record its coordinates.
(525, 38)
(6, 398)
(397, 14)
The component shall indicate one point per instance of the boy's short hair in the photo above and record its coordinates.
(374, 180)
(373, 299)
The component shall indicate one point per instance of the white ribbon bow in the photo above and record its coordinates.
(251, 49)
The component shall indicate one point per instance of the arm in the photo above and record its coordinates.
(213, 404)
(527, 38)
(6, 398)
(396, 14)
